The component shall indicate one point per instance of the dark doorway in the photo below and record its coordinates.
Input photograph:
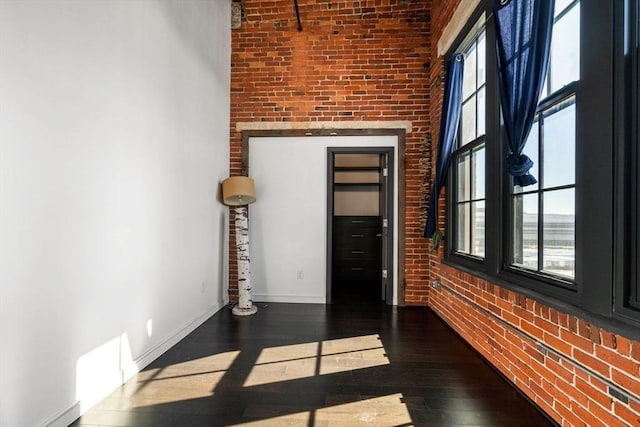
(360, 224)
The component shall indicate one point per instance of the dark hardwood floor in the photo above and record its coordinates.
(355, 362)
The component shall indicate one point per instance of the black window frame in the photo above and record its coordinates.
(632, 296)
(475, 264)
(627, 156)
(555, 99)
(469, 147)
(606, 178)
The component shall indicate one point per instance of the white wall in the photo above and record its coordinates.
(288, 222)
(114, 127)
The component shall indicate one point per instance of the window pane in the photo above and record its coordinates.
(545, 86)
(531, 150)
(559, 223)
(478, 160)
(481, 111)
(559, 147)
(481, 58)
(469, 120)
(560, 6)
(525, 231)
(469, 76)
(464, 235)
(477, 221)
(463, 177)
(564, 66)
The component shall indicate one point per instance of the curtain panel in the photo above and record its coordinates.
(523, 38)
(449, 121)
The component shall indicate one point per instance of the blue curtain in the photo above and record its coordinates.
(449, 120)
(523, 36)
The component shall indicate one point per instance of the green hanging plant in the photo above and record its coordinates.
(435, 240)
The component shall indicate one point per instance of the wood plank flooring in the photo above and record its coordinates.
(345, 364)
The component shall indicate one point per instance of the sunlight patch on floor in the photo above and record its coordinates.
(192, 379)
(291, 362)
(377, 411)
(203, 365)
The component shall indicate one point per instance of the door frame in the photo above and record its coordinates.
(399, 133)
(389, 202)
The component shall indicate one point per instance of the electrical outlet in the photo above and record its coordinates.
(300, 275)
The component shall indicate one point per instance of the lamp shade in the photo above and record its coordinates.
(238, 191)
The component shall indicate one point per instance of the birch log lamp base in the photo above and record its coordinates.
(239, 191)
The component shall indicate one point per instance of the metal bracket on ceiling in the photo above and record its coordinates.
(295, 4)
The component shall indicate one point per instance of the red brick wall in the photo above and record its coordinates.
(579, 374)
(364, 60)
(353, 60)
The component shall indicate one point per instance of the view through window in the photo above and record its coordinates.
(470, 157)
(543, 214)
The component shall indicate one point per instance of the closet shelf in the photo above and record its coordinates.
(356, 168)
(356, 185)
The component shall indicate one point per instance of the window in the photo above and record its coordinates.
(543, 215)
(632, 294)
(469, 158)
(628, 302)
(573, 237)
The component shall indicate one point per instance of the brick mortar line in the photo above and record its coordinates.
(521, 333)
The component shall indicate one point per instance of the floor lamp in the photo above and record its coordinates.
(239, 191)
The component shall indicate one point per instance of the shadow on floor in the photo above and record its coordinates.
(355, 362)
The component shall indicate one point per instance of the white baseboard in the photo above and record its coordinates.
(70, 414)
(258, 298)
